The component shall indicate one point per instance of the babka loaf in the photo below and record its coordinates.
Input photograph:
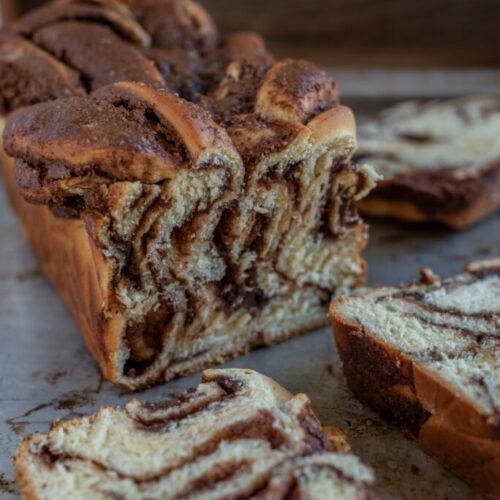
(428, 357)
(184, 218)
(237, 435)
(440, 160)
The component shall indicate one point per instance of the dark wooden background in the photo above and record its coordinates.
(371, 33)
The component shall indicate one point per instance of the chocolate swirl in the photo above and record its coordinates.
(243, 436)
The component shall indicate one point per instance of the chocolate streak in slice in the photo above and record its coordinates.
(440, 160)
(438, 192)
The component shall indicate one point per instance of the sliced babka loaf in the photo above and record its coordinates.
(237, 435)
(206, 210)
(427, 356)
(440, 160)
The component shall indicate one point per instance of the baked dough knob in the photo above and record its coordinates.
(247, 46)
(204, 140)
(112, 13)
(295, 90)
(22, 64)
(126, 144)
(176, 23)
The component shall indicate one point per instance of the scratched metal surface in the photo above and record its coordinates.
(46, 372)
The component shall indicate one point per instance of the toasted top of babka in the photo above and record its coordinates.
(74, 47)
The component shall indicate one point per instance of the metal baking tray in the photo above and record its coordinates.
(46, 372)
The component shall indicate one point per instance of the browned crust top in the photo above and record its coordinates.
(169, 43)
(124, 132)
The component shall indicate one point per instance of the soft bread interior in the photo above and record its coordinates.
(242, 436)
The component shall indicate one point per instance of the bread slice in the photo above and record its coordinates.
(440, 160)
(237, 435)
(200, 197)
(427, 356)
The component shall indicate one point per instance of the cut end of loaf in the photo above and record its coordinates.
(197, 261)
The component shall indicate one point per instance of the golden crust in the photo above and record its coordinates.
(476, 460)
(377, 207)
(295, 90)
(79, 274)
(332, 126)
(438, 398)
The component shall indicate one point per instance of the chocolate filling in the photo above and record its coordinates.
(438, 192)
(339, 211)
(260, 426)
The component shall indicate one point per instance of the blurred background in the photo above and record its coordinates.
(368, 33)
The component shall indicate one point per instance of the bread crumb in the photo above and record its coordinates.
(427, 276)
(334, 371)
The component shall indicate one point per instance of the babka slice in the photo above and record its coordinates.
(440, 160)
(427, 356)
(237, 435)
